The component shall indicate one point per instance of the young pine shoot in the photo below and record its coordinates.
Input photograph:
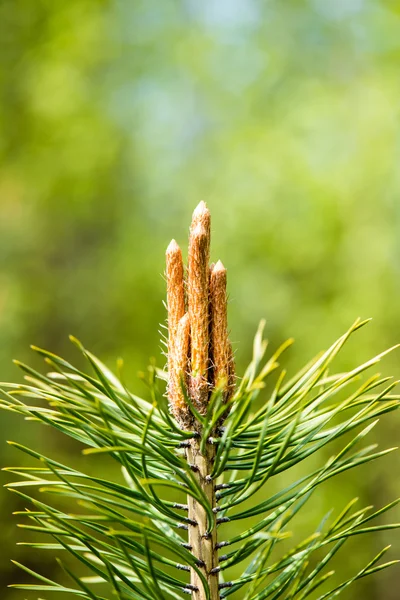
(194, 458)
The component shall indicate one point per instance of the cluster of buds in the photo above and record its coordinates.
(200, 356)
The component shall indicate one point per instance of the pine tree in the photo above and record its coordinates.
(193, 457)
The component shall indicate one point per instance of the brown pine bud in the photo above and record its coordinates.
(175, 295)
(201, 215)
(179, 373)
(199, 245)
(221, 348)
(200, 355)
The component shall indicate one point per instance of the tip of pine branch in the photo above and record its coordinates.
(202, 215)
(183, 320)
(173, 247)
(200, 210)
(219, 267)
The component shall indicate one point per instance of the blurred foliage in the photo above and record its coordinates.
(116, 118)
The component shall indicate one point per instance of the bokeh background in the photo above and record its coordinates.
(118, 117)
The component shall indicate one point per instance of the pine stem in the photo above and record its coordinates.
(203, 541)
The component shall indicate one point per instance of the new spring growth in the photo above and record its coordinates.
(199, 351)
(223, 367)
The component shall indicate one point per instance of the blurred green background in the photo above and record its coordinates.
(117, 118)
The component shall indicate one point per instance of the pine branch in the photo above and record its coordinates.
(193, 458)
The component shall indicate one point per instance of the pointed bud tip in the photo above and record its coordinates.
(219, 266)
(200, 209)
(172, 247)
(183, 320)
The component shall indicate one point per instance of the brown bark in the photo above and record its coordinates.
(201, 539)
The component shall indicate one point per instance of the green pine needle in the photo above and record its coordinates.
(130, 536)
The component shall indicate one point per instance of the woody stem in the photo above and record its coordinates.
(203, 541)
